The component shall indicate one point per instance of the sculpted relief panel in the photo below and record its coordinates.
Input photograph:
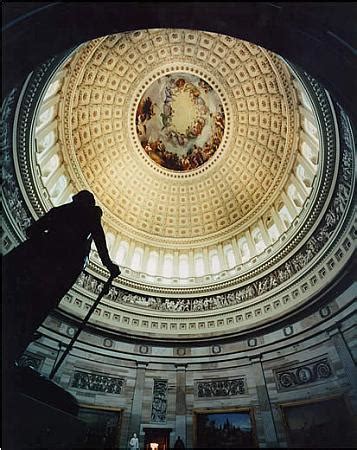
(97, 382)
(303, 374)
(220, 388)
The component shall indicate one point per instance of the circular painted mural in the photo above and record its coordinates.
(180, 121)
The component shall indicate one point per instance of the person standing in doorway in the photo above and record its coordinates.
(134, 443)
(179, 443)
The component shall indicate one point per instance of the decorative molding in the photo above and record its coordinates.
(98, 383)
(289, 378)
(252, 342)
(12, 197)
(289, 330)
(216, 349)
(325, 311)
(159, 402)
(220, 388)
(223, 321)
(144, 349)
(24, 143)
(108, 343)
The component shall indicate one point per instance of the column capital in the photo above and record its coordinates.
(255, 358)
(333, 329)
(141, 365)
(181, 366)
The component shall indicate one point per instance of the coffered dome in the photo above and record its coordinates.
(107, 82)
(201, 149)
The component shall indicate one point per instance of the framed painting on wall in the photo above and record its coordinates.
(224, 429)
(319, 424)
(103, 426)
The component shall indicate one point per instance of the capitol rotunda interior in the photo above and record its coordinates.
(223, 159)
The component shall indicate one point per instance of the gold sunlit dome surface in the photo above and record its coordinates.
(201, 149)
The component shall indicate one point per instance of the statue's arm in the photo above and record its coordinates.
(100, 243)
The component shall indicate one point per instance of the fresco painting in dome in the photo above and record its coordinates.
(180, 121)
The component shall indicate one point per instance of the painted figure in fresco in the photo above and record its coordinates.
(180, 149)
(40, 271)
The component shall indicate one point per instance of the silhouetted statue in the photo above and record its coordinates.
(40, 271)
(179, 443)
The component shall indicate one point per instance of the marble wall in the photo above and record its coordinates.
(164, 386)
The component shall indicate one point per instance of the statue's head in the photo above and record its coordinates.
(84, 198)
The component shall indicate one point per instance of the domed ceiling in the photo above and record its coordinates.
(216, 164)
(182, 136)
(192, 145)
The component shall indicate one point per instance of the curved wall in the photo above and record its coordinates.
(310, 359)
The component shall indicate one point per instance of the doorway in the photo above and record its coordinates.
(159, 436)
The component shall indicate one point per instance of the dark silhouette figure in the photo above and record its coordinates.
(40, 271)
(179, 443)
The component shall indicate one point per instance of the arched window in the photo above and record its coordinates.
(122, 252)
(310, 128)
(52, 90)
(51, 166)
(184, 271)
(304, 100)
(302, 176)
(285, 215)
(294, 196)
(309, 154)
(258, 240)
(244, 249)
(272, 229)
(46, 117)
(152, 264)
(60, 186)
(229, 254)
(47, 141)
(137, 258)
(215, 264)
(168, 267)
(199, 265)
(110, 238)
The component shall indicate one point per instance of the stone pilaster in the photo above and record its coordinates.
(264, 403)
(347, 362)
(136, 410)
(181, 401)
